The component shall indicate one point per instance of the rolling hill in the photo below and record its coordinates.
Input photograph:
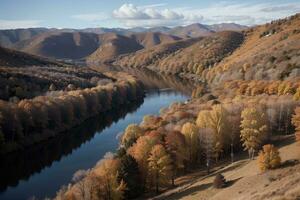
(60, 45)
(150, 39)
(268, 52)
(12, 58)
(95, 48)
(190, 56)
(193, 30)
(9, 37)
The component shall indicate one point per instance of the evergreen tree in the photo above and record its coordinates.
(129, 173)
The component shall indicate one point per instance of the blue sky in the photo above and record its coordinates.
(134, 13)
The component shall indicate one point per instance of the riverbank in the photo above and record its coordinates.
(38, 119)
(45, 167)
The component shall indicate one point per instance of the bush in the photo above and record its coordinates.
(268, 158)
(219, 181)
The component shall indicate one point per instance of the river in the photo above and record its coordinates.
(41, 170)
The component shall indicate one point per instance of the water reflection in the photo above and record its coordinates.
(21, 165)
(44, 168)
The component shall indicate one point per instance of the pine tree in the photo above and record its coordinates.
(129, 173)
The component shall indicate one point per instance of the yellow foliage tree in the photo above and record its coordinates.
(268, 158)
(160, 166)
(296, 122)
(141, 151)
(107, 175)
(216, 119)
(254, 130)
(131, 134)
(191, 134)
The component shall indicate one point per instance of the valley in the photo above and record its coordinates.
(194, 111)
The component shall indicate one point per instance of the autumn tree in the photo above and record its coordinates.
(107, 174)
(254, 130)
(176, 147)
(160, 166)
(191, 134)
(141, 151)
(268, 158)
(216, 119)
(207, 141)
(296, 123)
(131, 134)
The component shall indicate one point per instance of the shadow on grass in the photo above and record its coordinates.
(289, 163)
(190, 191)
(231, 182)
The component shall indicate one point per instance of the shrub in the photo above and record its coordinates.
(219, 181)
(268, 158)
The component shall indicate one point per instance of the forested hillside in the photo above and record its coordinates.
(247, 101)
(39, 99)
(268, 52)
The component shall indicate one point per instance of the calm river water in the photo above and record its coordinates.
(41, 170)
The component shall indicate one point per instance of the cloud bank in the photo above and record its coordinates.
(130, 15)
(12, 24)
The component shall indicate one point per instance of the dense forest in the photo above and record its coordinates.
(247, 100)
(38, 102)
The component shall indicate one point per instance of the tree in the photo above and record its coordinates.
(131, 134)
(129, 173)
(160, 165)
(268, 158)
(219, 181)
(107, 175)
(141, 151)
(2, 139)
(176, 147)
(191, 133)
(207, 141)
(216, 119)
(254, 130)
(296, 123)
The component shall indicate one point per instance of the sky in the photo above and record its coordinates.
(139, 13)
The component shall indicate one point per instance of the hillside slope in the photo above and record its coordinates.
(199, 54)
(60, 45)
(150, 39)
(148, 57)
(193, 30)
(12, 58)
(9, 37)
(112, 45)
(270, 52)
(247, 182)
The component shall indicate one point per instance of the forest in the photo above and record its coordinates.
(243, 101)
(198, 134)
(246, 101)
(38, 102)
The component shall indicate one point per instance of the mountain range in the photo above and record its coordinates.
(88, 43)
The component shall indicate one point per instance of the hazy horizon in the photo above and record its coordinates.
(130, 14)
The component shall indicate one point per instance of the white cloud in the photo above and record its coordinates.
(130, 15)
(13, 24)
(91, 17)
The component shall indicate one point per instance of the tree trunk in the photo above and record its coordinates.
(156, 186)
